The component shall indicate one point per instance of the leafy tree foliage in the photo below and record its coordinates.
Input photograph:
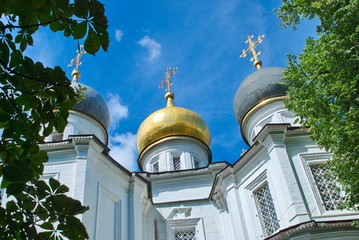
(35, 100)
(324, 83)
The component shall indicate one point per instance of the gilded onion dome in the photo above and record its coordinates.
(171, 121)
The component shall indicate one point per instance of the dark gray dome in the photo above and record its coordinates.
(260, 85)
(93, 105)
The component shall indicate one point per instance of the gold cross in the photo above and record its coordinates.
(77, 59)
(167, 80)
(252, 48)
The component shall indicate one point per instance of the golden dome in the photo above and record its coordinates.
(171, 121)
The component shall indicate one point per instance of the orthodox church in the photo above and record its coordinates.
(276, 190)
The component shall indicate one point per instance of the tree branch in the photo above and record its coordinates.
(29, 26)
(3, 64)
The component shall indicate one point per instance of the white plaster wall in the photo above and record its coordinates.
(113, 195)
(303, 152)
(270, 165)
(81, 124)
(188, 188)
(247, 179)
(274, 112)
(106, 192)
(281, 161)
(64, 171)
(61, 164)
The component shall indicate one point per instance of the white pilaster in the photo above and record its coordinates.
(286, 192)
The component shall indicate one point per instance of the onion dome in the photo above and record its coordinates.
(171, 121)
(93, 104)
(259, 87)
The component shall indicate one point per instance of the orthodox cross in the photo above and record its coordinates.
(167, 80)
(80, 51)
(252, 48)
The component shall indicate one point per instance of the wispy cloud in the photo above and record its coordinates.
(118, 35)
(123, 146)
(117, 110)
(153, 47)
(123, 150)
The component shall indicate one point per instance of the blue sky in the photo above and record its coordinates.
(203, 38)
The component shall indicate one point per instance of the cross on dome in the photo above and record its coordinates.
(77, 60)
(257, 63)
(167, 80)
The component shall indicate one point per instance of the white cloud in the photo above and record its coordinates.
(123, 146)
(153, 47)
(123, 150)
(118, 35)
(116, 109)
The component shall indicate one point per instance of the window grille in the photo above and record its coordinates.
(155, 167)
(176, 163)
(185, 235)
(266, 210)
(327, 187)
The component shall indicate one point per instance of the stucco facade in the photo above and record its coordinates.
(276, 190)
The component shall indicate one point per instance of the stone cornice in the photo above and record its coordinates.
(308, 226)
(87, 139)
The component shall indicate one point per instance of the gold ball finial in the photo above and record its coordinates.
(169, 97)
(257, 64)
(75, 75)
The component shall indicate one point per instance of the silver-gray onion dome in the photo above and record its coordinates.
(93, 105)
(260, 85)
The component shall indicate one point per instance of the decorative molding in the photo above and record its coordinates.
(186, 172)
(257, 182)
(312, 227)
(219, 201)
(179, 213)
(261, 104)
(308, 159)
(47, 175)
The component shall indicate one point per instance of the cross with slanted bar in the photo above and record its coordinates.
(167, 80)
(257, 63)
(77, 59)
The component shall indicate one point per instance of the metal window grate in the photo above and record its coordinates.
(187, 235)
(176, 163)
(266, 209)
(327, 187)
(155, 167)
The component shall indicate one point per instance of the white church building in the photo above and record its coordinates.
(276, 190)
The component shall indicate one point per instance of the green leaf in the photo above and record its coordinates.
(47, 225)
(40, 156)
(4, 52)
(6, 106)
(81, 8)
(54, 184)
(75, 229)
(92, 42)
(15, 188)
(4, 117)
(80, 30)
